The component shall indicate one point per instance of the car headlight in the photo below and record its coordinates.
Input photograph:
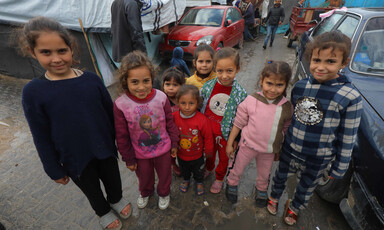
(206, 39)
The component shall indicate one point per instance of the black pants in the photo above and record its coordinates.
(107, 171)
(194, 167)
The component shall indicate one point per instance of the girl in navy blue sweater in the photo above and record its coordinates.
(70, 115)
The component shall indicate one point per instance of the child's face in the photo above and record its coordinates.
(54, 55)
(204, 62)
(273, 86)
(171, 87)
(139, 82)
(188, 104)
(226, 71)
(325, 65)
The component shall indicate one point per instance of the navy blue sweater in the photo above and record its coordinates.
(71, 122)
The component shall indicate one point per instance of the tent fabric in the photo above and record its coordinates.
(95, 14)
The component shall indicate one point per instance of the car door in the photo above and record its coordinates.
(233, 31)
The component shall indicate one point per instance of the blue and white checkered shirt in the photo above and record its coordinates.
(325, 122)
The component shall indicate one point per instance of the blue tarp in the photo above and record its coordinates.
(348, 3)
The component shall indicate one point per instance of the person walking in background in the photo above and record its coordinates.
(70, 115)
(177, 60)
(327, 112)
(263, 118)
(274, 18)
(126, 28)
(300, 5)
(146, 134)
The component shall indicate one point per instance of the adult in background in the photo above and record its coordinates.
(300, 4)
(274, 18)
(126, 28)
(246, 8)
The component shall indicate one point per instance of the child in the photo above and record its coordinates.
(173, 78)
(146, 134)
(177, 60)
(327, 111)
(263, 118)
(221, 96)
(70, 114)
(203, 62)
(195, 135)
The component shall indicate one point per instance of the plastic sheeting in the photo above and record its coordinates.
(95, 14)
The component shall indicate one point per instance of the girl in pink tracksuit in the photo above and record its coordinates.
(263, 119)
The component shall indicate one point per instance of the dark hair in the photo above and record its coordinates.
(203, 47)
(133, 60)
(227, 52)
(278, 68)
(333, 39)
(190, 89)
(27, 35)
(175, 74)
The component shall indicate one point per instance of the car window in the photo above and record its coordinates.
(369, 54)
(229, 15)
(327, 24)
(203, 17)
(236, 15)
(348, 26)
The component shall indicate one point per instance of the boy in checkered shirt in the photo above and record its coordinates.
(327, 111)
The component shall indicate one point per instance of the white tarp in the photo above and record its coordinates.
(95, 14)
(192, 3)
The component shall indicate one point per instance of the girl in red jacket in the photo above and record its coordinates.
(195, 137)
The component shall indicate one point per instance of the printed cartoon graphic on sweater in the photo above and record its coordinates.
(150, 138)
(189, 140)
(308, 111)
(218, 103)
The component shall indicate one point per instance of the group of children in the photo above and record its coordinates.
(74, 123)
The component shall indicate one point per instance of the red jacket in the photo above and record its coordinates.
(195, 136)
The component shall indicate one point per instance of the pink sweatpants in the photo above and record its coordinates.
(264, 163)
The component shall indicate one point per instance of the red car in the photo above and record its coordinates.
(217, 26)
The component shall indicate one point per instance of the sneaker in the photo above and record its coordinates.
(216, 187)
(164, 202)
(264, 46)
(261, 198)
(142, 201)
(286, 37)
(231, 193)
(270, 45)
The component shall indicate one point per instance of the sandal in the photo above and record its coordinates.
(272, 206)
(108, 219)
(231, 193)
(200, 189)
(120, 206)
(290, 217)
(183, 187)
(261, 198)
(216, 187)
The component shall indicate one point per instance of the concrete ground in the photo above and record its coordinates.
(30, 200)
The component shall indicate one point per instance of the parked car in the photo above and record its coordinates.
(217, 26)
(360, 194)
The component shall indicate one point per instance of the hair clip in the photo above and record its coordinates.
(270, 61)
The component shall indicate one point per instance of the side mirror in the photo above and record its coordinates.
(228, 22)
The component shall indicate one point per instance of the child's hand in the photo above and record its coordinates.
(174, 152)
(229, 150)
(235, 144)
(132, 167)
(63, 180)
(277, 157)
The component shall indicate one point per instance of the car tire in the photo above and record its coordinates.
(334, 190)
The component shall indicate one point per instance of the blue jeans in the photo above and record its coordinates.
(271, 30)
(247, 33)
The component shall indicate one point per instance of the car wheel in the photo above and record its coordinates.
(290, 41)
(334, 190)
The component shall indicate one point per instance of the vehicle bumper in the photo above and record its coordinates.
(361, 210)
